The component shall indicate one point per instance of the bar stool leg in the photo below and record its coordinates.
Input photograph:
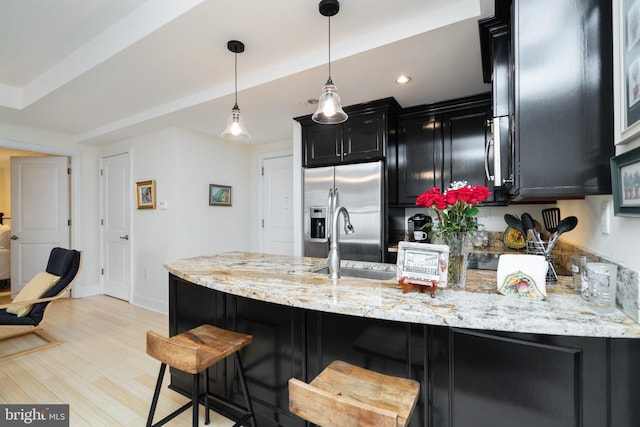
(206, 397)
(156, 394)
(195, 399)
(247, 398)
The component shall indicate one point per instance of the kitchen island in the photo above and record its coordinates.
(482, 358)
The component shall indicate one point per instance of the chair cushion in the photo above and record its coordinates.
(12, 319)
(37, 287)
(64, 263)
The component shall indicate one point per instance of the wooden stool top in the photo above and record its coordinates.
(346, 395)
(195, 350)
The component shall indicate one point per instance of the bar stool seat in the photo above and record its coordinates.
(346, 395)
(194, 351)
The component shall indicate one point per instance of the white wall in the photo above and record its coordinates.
(621, 244)
(183, 164)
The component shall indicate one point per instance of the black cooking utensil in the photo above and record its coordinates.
(566, 224)
(551, 218)
(530, 228)
(515, 223)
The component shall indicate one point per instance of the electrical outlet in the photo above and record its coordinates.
(605, 217)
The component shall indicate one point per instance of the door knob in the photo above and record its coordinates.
(14, 237)
(125, 237)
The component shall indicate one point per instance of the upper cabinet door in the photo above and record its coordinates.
(364, 137)
(322, 144)
(419, 156)
(563, 127)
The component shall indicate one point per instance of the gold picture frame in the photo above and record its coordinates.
(146, 194)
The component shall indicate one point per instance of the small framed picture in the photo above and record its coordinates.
(423, 263)
(625, 179)
(219, 195)
(146, 194)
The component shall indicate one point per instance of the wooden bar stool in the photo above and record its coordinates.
(346, 395)
(195, 351)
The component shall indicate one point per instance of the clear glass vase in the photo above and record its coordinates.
(459, 247)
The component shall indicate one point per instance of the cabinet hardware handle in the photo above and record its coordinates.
(14, 237)
(486, 159)
(497, 162)
(125, 237)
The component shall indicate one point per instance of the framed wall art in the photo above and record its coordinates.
(626, 69)
(146, 194)
(219, 195)
(625, 178)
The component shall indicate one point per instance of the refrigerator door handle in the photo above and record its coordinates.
(329, 214)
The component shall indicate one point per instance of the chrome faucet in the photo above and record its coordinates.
(333, 260)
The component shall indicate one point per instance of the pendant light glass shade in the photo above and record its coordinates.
(329, 110)
(235, 128)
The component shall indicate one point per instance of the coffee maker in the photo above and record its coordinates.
(419, 227)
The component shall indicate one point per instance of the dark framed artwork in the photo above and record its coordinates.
(625, 178)
(219, 195)
(627, 61)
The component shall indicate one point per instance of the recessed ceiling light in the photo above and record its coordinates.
(403, 79)
(312, 101)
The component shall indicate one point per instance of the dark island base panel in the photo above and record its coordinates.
(468, 378)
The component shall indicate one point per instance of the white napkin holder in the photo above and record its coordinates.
(522, 276)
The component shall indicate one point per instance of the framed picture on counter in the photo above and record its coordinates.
(146, 194)
(626, 69)
(219, 195)
(625, 179)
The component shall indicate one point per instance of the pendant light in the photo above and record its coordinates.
(235, 128)
(329, 109)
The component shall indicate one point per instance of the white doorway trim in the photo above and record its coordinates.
(76, 196)
(261, 158)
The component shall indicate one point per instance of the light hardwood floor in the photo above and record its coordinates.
(101, 370)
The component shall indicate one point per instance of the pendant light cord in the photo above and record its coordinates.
(236, 80)
(329, 32)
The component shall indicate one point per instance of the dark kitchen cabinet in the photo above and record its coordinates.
(419, 156)
(445, 142)
(468, 377)
(560, 104)
(524, 379)
(363, 137)
(276, 354)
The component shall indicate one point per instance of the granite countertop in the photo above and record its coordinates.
(290, 281)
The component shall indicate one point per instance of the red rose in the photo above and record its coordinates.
(441, 203)
(451, 196)
(466, 195)
(481, 192)
(428, 198)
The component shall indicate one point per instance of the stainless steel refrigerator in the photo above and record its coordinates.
(360, 189)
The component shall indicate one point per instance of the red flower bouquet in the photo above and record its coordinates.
(456, 207)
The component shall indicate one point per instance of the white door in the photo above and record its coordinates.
(277, 211)
(115, 226)
(40, 214)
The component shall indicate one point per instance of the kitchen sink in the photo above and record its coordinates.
(363, 273)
